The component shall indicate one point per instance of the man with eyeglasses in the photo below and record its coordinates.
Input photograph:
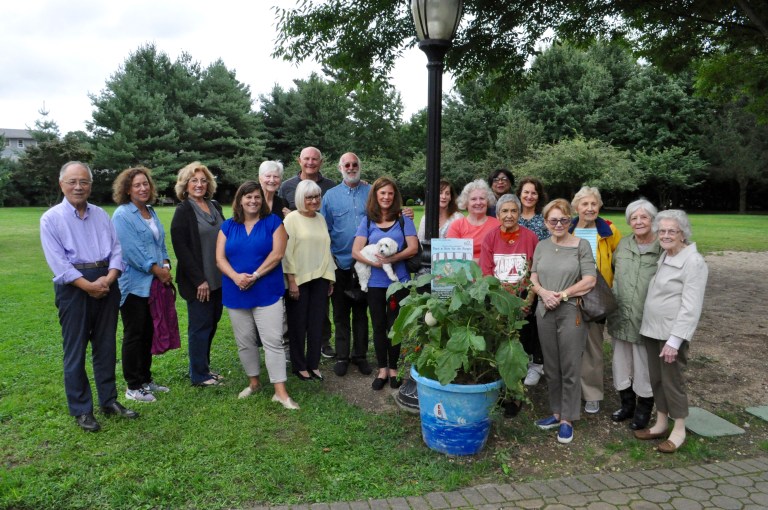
(310, 161)
(344, 208)
(82, 250)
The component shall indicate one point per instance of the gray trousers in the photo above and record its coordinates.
(563, 335)
(268, 321)
(667, 379)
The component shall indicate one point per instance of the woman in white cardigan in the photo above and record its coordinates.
(670, 316)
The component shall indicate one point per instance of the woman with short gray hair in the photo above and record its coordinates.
(634, 264)
(270, 178)
(670, 316)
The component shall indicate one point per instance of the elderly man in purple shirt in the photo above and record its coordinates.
(82, 250)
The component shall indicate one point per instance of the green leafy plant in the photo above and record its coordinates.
(471, 337)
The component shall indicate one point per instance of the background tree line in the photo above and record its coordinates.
(584, 114)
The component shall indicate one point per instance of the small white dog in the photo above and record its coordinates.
(386, 247)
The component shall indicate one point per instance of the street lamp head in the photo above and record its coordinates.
(436, 19)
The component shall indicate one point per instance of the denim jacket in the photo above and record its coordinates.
(140, 249)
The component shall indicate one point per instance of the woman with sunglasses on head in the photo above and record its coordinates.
(563, 268)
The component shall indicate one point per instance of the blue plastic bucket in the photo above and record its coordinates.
(455, 417)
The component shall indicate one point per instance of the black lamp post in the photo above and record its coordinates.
(436, 22)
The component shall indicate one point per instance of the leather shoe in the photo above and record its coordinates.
(646, 434)
(667, 447)
(87, 422)
(117, 409)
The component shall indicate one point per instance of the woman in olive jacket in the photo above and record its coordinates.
(634, 263)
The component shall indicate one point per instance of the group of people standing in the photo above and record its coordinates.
(657, 276)
(290, 248)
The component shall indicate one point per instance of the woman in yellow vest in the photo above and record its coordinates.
(587, 203)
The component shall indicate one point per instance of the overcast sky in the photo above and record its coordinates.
(56, 52)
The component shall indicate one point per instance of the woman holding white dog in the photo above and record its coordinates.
(384, 220)
(311, 272)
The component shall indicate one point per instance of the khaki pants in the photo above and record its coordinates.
(592, 363)
(667, 379)
(563, 334)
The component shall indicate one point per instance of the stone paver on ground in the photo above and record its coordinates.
(702, 422)
(737, 484)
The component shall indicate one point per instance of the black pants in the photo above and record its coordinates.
(383, 314)
(85, 319)
(529, 336)
(137, 341)
(305, 323)
(343, 306)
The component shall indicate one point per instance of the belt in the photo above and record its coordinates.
(91, 265)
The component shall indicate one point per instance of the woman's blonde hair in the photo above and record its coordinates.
(559, 203)
(186, 174)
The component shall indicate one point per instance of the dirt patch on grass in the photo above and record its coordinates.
(727, 372)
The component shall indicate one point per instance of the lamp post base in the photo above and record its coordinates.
(408, 397)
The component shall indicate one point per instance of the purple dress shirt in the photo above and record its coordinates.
(69, 239)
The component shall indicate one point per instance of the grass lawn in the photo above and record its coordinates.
(198, 448)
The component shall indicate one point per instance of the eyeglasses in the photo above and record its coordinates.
(198, 181)
(562, 221)
(84, 183)
(671, 232)
(351, 165)
(500, 178)
(312, 197)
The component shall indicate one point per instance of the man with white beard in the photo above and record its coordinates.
(344, 209)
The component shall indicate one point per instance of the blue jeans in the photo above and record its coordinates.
(203, 321)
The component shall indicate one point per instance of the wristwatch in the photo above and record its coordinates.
(564, 296)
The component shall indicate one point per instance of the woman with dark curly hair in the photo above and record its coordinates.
(145, 257)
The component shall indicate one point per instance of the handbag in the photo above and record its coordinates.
(413, 264)
(352, 289)
(599, 302)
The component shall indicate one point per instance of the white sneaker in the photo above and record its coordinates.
(153, 387)
(140, 395)
(534, 374)
(592, 406)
